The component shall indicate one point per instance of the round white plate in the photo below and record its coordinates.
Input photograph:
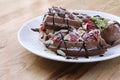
(31, 41)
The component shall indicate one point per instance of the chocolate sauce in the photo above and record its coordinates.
(50, 11)
(35, 29)
(59, 45)
(86, 50)
(97, 16)
(47, 45)
(64, 41)
(65, 44)
(64, 17)
(68, 57)
(101, 55)
(62, 8)
(42, 37)
(84, 47)
(68, 26)
(53, 21)
(117, 23)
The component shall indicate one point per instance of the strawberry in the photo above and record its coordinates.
(96, 36)
(73, 36)
(90, 24)
(86, 20)
(42, 28)
(57, 38)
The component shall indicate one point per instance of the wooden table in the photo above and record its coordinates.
(16, 63)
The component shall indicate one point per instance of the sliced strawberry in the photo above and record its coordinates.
(90, 26)
(86, 19)
(96, 36)
(73, 37)
(42, 28)
(57, 38)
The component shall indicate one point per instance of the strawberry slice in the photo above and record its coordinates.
(42, 28)
(86, 20)
(57, 38)
(90, 24)
(73, 37)
(96, 36)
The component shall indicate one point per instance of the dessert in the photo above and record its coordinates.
(77, 34)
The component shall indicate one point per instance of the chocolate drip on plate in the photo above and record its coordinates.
(64, 17)
(35, 29)
(117, 23)
(42, 37)
(101, 55)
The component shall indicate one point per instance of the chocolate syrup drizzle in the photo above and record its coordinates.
(53, 21)
(85, 48)
(64, 41)
(68, 25)
(35, 29)
(44, 17)
(59, 45)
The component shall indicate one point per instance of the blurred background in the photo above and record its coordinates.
(10, 9)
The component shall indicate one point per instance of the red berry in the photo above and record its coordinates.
(91, 25)
(86, 20)
(96, 36)
(42, 28)
(73, 37)
(49, 36)
(57, 38)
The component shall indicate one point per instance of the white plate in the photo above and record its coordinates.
(31, 41)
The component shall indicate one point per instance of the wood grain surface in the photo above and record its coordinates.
(16, 63)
